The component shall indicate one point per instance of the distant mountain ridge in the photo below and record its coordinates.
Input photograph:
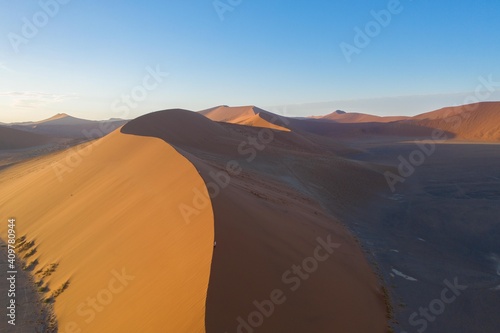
(63, 125)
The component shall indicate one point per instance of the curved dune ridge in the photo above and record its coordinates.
(178, 126)
(110, 238)
(244, 115)
(266, 224)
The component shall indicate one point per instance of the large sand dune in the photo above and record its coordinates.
(127, 235)
(265, 223)
(114, 229)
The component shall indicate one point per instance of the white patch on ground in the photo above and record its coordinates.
(395, 251)
(404, 276)
(421, 239)
(397, 197)
(496, 261)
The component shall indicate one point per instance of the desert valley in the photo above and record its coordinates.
(240, 220)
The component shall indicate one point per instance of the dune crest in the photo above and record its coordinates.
(111, 236)
(246, 115)
(265, 223)
(353, 117)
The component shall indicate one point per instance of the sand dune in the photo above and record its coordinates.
(476, 122)
(229, 114)
(66, 126)
(61, 119)
(265, 223)
(245, 115)
(113, 231)
(353, 117)
(347, 126)
(114, 228)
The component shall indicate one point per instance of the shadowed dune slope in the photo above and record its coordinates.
(16, 139)
(266, 223)
(114, 229)
(181, 127)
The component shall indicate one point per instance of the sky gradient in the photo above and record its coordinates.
(87, 56)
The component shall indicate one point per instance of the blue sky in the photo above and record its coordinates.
(89, 54)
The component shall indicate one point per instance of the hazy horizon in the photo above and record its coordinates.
(383, 57)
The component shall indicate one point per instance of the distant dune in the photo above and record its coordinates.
(16, 139)
(353, 117)
(475, 122)
(244, 115)
(65, 126)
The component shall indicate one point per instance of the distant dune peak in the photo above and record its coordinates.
(60, 115)
(341, 116)
(249, 115)
(58, 118)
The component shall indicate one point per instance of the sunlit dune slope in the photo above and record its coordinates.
(266, 221)
(245, 115)
(114, 229)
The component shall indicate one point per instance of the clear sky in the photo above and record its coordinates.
(87, 56)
